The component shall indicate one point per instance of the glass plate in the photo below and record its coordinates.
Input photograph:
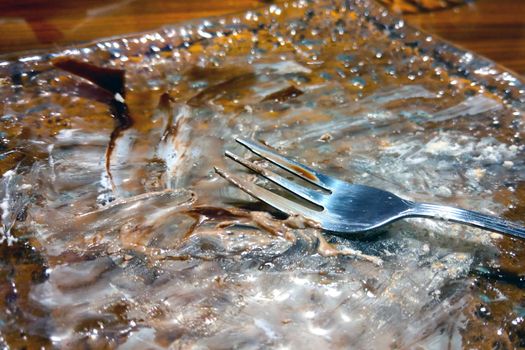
(117, 233)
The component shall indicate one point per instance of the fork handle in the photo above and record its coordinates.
(468, 217)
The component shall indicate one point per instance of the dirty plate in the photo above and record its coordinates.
(116, 231)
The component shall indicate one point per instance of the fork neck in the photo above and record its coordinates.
(468, 217)
(436, 211)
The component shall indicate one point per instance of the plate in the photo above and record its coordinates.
(116, 231)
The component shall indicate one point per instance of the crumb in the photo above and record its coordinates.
(476, 174)
(326, 137)
(384, 144)
(326, 249)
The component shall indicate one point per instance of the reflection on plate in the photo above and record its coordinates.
(414, 6)
(117, 232)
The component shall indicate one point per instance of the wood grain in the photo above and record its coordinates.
(495, 29)
(31, 24)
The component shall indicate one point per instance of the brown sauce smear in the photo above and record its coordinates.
(111, 80)
(284, 94)
(238, 82)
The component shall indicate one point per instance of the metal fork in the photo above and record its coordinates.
(348, 208)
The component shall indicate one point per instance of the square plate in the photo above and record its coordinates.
(118, 233)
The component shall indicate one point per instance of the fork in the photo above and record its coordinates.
(343, 207)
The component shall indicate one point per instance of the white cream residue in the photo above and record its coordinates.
(5, 206)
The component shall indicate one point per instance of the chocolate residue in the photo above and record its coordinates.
(284, 94)
(165, 105)
(238, 82)
(120, 112)
(89, 91)
(213, 73)
(218, 213)
(22, 268)
(111, 79)
(164, 102)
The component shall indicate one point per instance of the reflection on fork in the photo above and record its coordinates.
(342, 207)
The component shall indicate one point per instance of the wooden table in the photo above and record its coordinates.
(495, 29)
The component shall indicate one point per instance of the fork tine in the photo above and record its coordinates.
(290, 165)
(285, 205)
(306, 193)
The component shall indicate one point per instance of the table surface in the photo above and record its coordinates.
(495, 29)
